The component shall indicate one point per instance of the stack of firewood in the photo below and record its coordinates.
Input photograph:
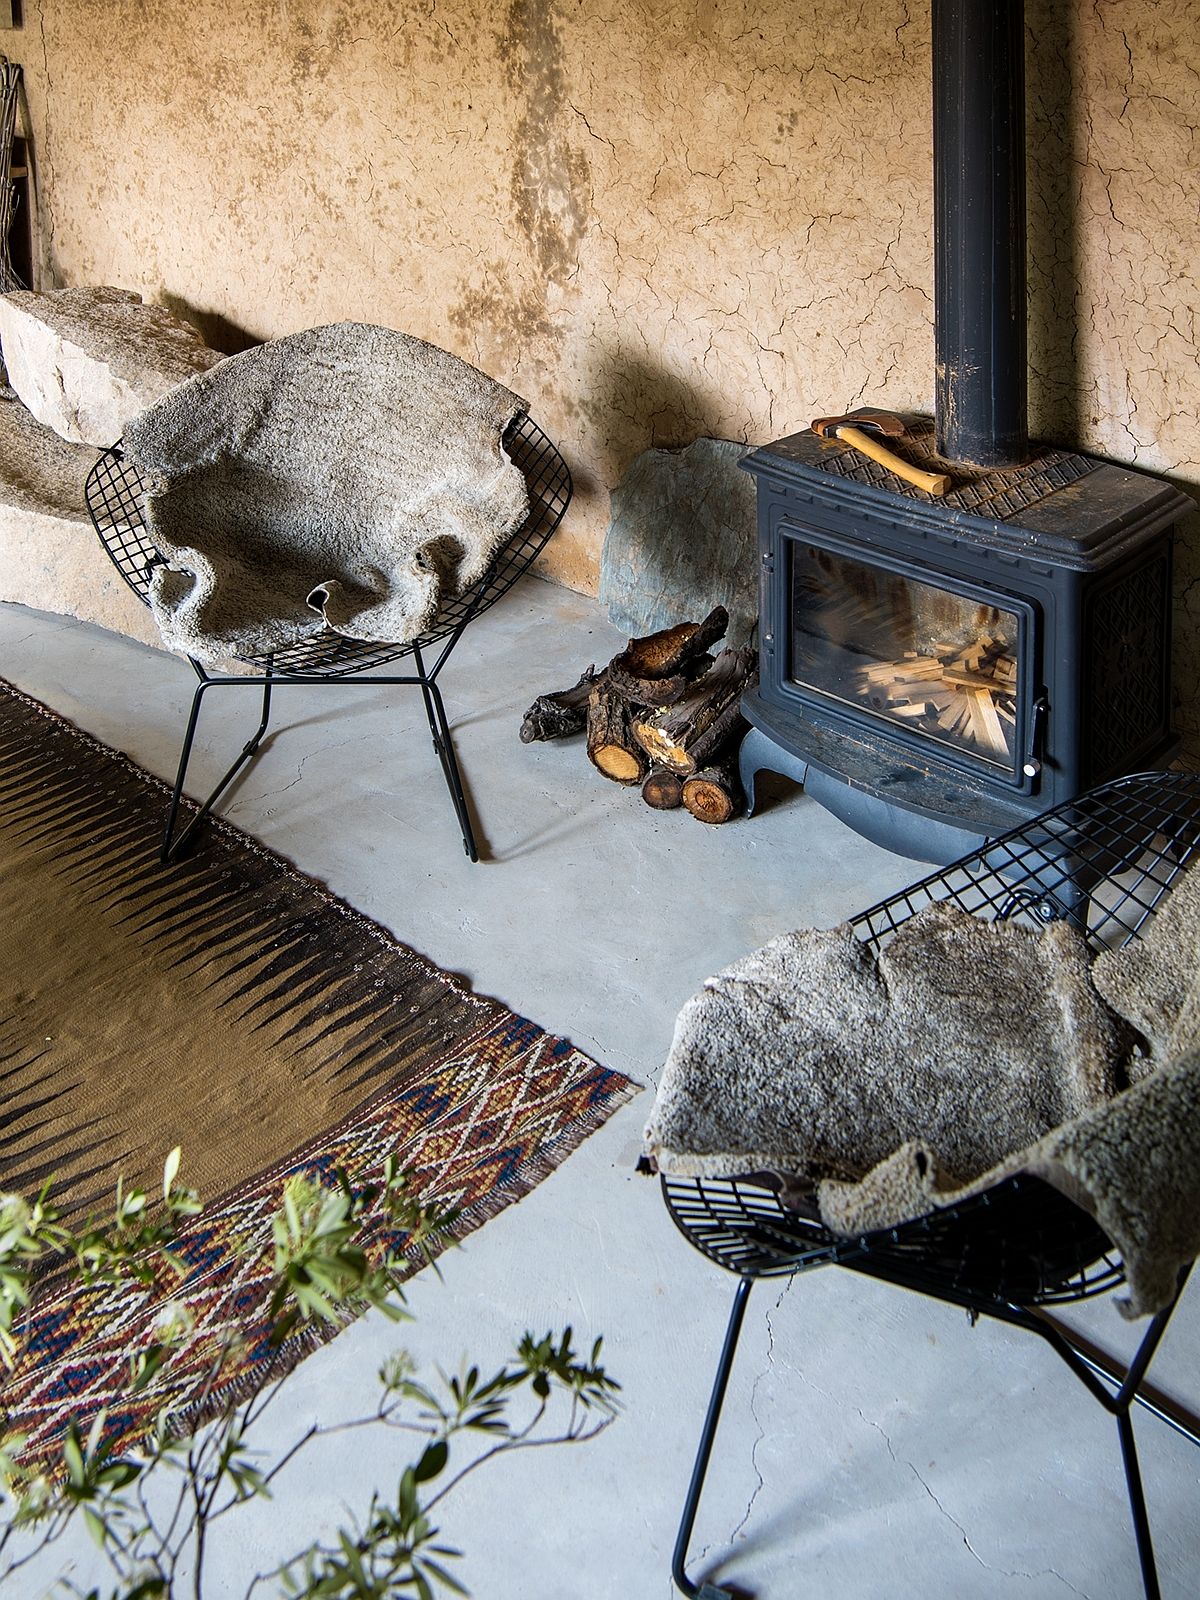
(664, 714)
(965, 691)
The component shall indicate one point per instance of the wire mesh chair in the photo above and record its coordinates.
(113, 493)
(1103, 862)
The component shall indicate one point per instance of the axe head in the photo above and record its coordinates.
(884, 422)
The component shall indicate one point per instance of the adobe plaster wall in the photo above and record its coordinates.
(655, 219)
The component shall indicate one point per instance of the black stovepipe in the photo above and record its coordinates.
(979, 230)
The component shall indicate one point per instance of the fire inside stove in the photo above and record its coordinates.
(933, 660)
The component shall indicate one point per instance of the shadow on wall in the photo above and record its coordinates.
(638, 406)
(216, 331)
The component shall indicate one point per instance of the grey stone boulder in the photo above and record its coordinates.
(86, 361)
(681, 540)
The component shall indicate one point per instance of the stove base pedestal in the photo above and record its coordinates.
(892, 827)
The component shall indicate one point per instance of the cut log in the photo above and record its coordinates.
(553, 716)
(689, 735)
(672, 650)
(714, 794)
(663, 789)
(972, 680)
(610, 744)
(986, 725)
(730, 728)
(964, 691)
(658, 692)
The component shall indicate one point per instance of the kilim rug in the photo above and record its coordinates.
(230, 1005)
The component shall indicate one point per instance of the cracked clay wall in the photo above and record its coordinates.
(654, 219)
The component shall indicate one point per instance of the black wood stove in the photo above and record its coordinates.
(936, 670)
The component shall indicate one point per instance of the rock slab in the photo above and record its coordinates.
(50, 557)
(86, 361)
(681, 540)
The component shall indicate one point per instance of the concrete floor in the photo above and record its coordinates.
(874, 1444)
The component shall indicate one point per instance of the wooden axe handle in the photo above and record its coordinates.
(935, 483)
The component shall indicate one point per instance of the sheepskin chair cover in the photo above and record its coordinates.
(810, 1057)
(1153, 982)
(1133, 1164)
(348, 476)
(817, 1057)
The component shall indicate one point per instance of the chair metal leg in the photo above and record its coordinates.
(1101, 1377)
(173, 844)
(684, 1537)
(1137, 1505)
(439, 727)
(1099, 1374)
(1125, 1397)
(1102, 1365)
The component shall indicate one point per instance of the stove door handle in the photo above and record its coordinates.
(1032, 764)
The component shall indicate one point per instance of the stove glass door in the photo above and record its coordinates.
(938, 663)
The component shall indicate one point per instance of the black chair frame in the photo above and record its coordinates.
(113, 493)
(1103, 862)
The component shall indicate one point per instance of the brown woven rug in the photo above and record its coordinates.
(230, 1005)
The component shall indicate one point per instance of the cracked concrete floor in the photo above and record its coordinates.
(874, 1443)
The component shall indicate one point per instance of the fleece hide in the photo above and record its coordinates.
(816, 1057)
(967, 1052)
(1153, 982)
(348, 477)
(1133, 1163)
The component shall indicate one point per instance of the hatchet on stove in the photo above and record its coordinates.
(857, 429)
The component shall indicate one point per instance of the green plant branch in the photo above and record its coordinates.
(518, 1442)
(326, 1267)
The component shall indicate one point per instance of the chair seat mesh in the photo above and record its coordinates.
(1103, 862)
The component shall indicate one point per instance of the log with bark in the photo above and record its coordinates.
(692, 733)
(554, 716)
(672, 650)
(659, 669)
(715, 793)
(662, 712)
(610, 744)
(663, 789)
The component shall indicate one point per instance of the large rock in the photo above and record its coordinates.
(87, 361)
(682, 540)
(50, 557)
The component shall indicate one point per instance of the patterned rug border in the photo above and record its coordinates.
(59, 1379)
(527, 1176)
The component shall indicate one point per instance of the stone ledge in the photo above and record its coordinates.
(50, 557)
(87, 361)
